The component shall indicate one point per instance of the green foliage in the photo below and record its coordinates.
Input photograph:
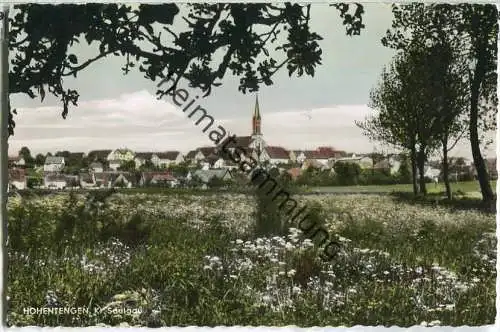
(269, 220)
(216, 182)
(404, 172)
(25, 153)
(34, 182)
(134, 252)
(127, 166)
(347, 173)
(315, 177)
(39, 159)
(181, 169)
(470, 31)
(376, 177)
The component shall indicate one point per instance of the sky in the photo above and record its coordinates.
(117, 111)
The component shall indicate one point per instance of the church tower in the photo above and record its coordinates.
(257, 140)
(256, 118)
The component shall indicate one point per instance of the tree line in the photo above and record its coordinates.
(439, 88)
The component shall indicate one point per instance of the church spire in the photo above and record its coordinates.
(256, 118)
(256, 113)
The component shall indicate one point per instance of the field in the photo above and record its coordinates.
(189, 259)
(471, 188)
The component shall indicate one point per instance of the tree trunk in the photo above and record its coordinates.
(446, 166)
(421, 170)
(413, 159)
(482, 174)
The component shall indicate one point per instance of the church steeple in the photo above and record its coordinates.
(256, 118)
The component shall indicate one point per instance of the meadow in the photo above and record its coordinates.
(470, 188)
(198, 259)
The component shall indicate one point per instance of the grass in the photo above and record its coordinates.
(466, 187)
(199, 259)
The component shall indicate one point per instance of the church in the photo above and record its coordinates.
(253, 144)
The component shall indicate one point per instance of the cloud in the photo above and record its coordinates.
(141, 122)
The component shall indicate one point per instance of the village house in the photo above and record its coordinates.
(195, 156)
(102, 180)
(276, 155)
(115, 164)
(313, 163)
(121, 154)
(206, 175)
(141, 158)
(252, 145)
(323, 155)
(55, 181)
(96, 167)
(122, 180)
(158, 178)
(213, 161)
(111, 179)
(206, 151)
(53, 164)
(16, 161)
(432, 172)
(164, 159)
(87, 180)
(17, 179)
(364, 162)
(300, 156)
(383, 166)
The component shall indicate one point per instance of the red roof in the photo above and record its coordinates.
(323, 152)
(277, 152)
(166, 176)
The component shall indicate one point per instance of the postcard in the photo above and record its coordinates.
(249, 164)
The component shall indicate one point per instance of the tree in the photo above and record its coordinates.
(404, 171)
(64, 154)
(395, 121)
(33, 182)
(39, 159)
(473, 28)
(376, 157)
(216, 182)
(420, 101)
(25, 153)
(127, 166)
(147, 166)
(41, 37)
(180, 169)
(347, 173)
(452, 104)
